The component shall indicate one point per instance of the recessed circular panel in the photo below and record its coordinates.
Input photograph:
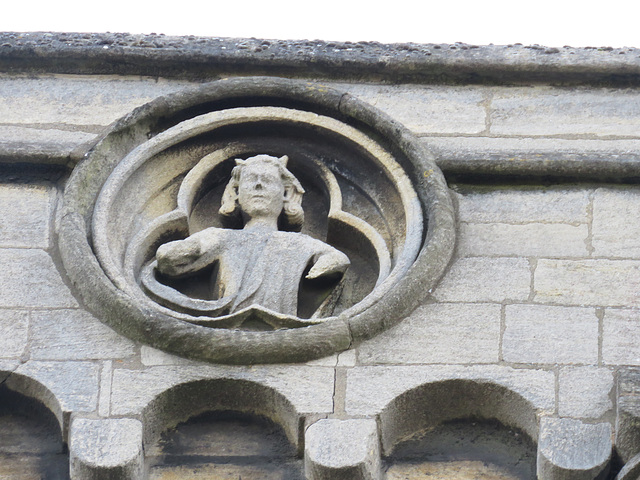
(255, 220)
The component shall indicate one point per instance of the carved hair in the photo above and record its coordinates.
(292, 209)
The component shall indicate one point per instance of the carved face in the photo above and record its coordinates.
(260, 191)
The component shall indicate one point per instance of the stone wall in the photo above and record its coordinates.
(535, 324)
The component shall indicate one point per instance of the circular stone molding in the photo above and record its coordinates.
(255, 220)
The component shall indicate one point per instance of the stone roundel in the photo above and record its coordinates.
(371, 192)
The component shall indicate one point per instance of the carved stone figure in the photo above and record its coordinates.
(258, 266)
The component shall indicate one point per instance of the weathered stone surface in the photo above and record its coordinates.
(151, 357)
(342, 449)
(429, 405)
(571, 449)
(106, 449)
(309, 389)
(31, 445)
(30, 279)
(629, 382)
(104, 400)
(204, 57)
(628, 414)
(549, 334)
(328, 361)
(462, 450)
(550, 111)
(75, 335)
(437, 470)
(439, 333)
(224, 445)
(246, 471)
(43, 138)
(631, 470)
(348, 358)
(74, 384)
(523, 205)
(531, 240)
(165, 396)
(26, 210)
(428, 109)
(42, 146)
(616, 233)
(96, 101)
(520, 151)
(370, 389)
(485, 280)
(585, 392)
(6, 367)
(588, 282)
(14, 331)
(620, 337)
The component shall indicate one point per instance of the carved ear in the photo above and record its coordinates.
(240, 162)
(283, 160)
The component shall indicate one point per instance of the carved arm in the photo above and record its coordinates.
(329, 262)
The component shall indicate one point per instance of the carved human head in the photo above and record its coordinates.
(260, 172)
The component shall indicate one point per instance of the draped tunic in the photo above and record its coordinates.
(255, 267)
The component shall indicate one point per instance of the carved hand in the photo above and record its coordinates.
(176, 258)
(328, 263)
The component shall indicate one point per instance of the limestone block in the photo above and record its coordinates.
(6, 367)
(342, 449)
(519, 206)
(439, 333)
(523, 152)
(427, 109)
(485, 280)
(310, 389)
(621, 337)
(588, 282)
(14, 331)
(152, 357)
(62, 387)
(104, 399)
(531, 240)
(166, 395)
(616, 231)
(348, 358)
(571, 449)
(26, 210)
(45, 138)
(75, 335)
(628, 414)
(412, 400)
(585, 392)
(328, 361)
(106, 449)
(549, 334)
(89, 101)
(74, 384)
(46, 146)
(30, 279)
(370, 389)
(553, 111)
